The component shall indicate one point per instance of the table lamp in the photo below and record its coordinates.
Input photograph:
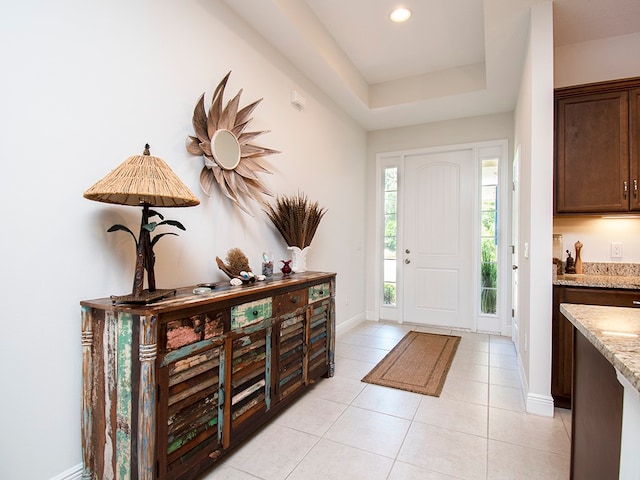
(146, 181)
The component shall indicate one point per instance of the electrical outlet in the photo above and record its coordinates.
(616, 249)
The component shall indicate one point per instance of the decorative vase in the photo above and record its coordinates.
(299, 259)
(286, 267)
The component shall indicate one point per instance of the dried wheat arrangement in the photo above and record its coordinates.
(295, 218)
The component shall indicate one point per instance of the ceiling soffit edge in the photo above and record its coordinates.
(444, 83)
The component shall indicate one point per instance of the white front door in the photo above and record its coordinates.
(438, 238)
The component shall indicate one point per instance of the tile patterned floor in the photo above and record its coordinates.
(345, 429)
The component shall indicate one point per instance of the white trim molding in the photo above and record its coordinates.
(74, 473)
(540, 404)
(535, 404)
(350, 323)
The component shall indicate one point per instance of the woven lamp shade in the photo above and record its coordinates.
(142, 180)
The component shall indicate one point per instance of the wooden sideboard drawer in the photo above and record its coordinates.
(319, 292)
(289, 302)
(192, 329)
(250, 313)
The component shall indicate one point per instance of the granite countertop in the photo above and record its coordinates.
(614, 331)
(603, 281)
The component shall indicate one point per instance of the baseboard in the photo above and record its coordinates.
(523, 377)
(540, 404)
(489, 325)
(350, 323)
(535, 403)
(508, 331)
(74, 473)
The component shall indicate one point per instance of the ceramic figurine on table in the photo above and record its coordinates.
(286, 268)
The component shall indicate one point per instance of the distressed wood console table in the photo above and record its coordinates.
(169, 388)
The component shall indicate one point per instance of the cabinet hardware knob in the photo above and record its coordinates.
(636, 302)
(625, 188)
(514, 267)
(294, 300)
(635, 188)
(407, 251)
(255, 313)
(407, 261)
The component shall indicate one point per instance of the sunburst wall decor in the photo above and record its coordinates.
(229, 159)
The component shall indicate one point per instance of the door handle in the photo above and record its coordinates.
(514, 267)
(407, 261)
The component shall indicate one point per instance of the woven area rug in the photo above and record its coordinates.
(418, 363)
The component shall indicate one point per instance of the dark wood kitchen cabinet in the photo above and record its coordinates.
(169, 388)
(596, 420)
(597, 136)
(562, 331)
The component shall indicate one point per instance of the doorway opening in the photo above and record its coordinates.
(442, 237)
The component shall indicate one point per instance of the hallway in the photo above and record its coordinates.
(345, 429)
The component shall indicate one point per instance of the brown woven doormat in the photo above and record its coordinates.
(418, 363)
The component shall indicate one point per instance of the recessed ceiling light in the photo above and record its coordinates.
(400, 15)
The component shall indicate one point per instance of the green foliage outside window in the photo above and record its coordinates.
(390, 235)
(389, 294)
(489, 277)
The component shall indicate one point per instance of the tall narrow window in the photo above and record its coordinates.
(390, 235)
(489, 238)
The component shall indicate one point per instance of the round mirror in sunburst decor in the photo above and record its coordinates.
(225, 149)
(230, 160)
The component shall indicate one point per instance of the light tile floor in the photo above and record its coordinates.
(343, 428)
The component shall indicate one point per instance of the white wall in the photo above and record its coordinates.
(452, 132)
(85, 85)
(597, 60)
(522, 144)
(596, 235)
(534, 136)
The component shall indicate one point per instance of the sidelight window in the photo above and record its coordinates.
(390, 235)
(489, 238)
